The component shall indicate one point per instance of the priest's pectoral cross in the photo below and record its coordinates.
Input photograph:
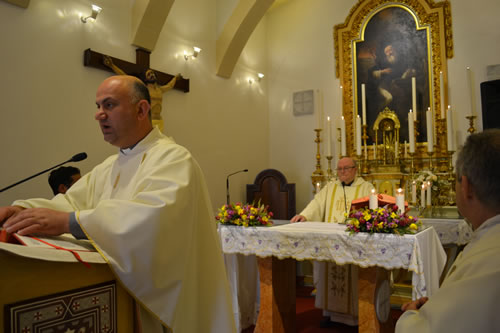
(96, 60)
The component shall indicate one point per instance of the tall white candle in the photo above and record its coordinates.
(341, 100)
(414, 96)
(413, 192)
(400, 200)
(422, 196)
(363, 102)
(373, 202)
(411, 132)
(429, 193)
(343, 137)
(328, 137)
(430, 143)
(441, 92)
(358, 135)
(471, 92)
(449, 129)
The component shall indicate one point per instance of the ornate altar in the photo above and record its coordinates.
(391, 58)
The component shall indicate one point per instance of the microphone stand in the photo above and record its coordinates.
(76, 158)
(227, 184)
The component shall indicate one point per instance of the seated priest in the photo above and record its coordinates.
(468, 297)
(337, 295)
(148, 213)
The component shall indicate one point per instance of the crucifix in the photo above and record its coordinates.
(156, 81)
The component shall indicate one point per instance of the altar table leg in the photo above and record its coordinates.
(369, 279)
(277, 296)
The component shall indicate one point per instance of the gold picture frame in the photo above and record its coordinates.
(432, 19)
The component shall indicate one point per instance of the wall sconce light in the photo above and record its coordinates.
(260, 76)
(95, 10)
(196, 51)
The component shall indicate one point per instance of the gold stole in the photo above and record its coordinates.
(340, 202)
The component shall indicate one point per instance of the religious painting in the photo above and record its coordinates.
(393, 49)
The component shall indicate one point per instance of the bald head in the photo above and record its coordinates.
(123, 110)
(346, 170)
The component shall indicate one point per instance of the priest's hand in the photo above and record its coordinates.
(298, 218)
(38, 221)
(414, 305)
(7, 212)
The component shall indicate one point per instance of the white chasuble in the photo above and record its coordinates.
(467, 300)
(148, 213)
(336, 285)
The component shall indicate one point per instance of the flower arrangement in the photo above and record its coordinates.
(246, 215)
(382, 220)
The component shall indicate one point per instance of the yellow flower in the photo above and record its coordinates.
(367, 216)
(394, 215)
(237, 207)
(380, 225)
(356, 223)
(225, 214)
(253, 210)
(243, 217)
(413, 226)
(245, 224)
(265, 219)
(241, 211)
(237, 221)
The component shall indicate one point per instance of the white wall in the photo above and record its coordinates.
(301, 56)
(48, 95)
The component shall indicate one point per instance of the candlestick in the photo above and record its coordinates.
(414, 193)
(422, 196)
(430, 144)
(396, 150)
(329, 172)
(374, 151)
(414, 96)
(411, 132)
(429, 193)
(400, 200)
(373, 202)
(406, 150)
(318, 187)
(329, 137)
(358, 135)
(449, 130)
(363, 102)
(441, 92)
(317, 176)
(343, 137)
(471, 129)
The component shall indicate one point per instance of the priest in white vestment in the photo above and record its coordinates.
(468, 299)
(336, 285)
(148, 213)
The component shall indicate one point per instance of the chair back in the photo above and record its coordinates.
(271, 188)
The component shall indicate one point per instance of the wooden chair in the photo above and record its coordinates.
(271, 188)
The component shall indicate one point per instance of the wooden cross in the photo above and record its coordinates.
(96, 60)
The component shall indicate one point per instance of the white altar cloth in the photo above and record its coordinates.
(450, 231)
(422, 254)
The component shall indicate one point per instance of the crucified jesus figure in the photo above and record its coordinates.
(155, 90)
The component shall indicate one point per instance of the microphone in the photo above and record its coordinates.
(76, 158)
(227, 182)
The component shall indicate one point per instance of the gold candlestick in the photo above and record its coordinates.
(430, 159)
(329, 172)
(412, 166)
(317, 176)
(471, 129)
